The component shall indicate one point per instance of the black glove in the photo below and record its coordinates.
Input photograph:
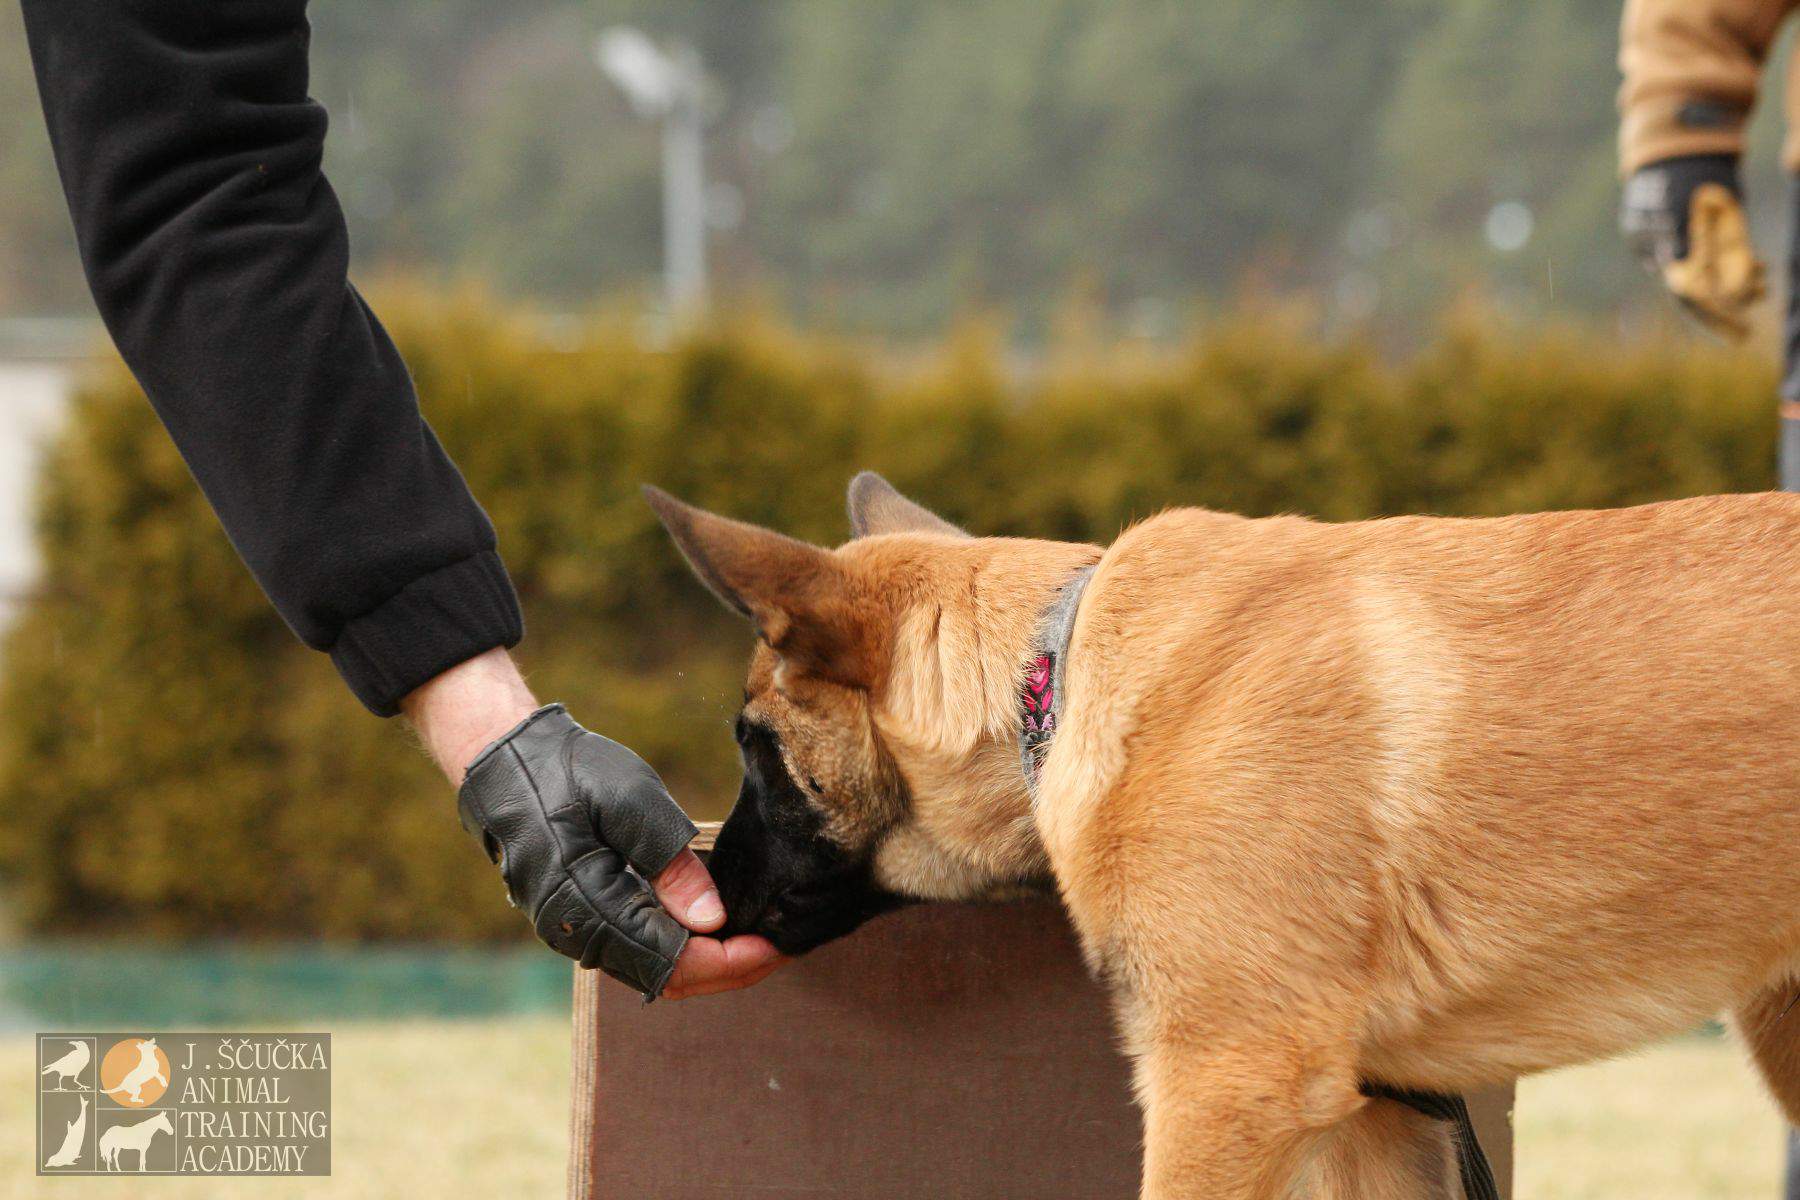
(1653, 212)
(577, 823)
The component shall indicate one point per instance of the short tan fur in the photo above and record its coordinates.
(1429, 802)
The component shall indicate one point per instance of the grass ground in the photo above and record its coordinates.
(1682, 1122)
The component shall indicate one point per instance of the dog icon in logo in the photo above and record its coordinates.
(69, 1067)
(134, 1072)
(72, 1139)
(133, 1137)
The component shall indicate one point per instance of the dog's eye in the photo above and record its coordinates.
(814, 785)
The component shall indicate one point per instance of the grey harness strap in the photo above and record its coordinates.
(1041, 696)
(1471, 1161)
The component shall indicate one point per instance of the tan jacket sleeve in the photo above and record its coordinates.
(1691, 70)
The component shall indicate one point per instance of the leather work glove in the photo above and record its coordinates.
(578, 823)
(1685, 219)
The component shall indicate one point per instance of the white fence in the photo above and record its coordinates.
(40, 364)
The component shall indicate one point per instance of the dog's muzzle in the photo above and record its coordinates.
(777, 872)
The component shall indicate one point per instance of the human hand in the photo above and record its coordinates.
(1685, 219)
(577, 823)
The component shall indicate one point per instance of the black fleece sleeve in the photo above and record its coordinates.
(190, 155)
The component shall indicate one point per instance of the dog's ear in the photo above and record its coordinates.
(875, 507)
(803, 601)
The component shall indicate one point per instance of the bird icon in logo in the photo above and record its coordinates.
(69, 1067)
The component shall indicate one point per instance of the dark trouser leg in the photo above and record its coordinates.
(1790, 446)
(1790, 479)
(1790, 383)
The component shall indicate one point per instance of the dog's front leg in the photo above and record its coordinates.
(1235, 1121)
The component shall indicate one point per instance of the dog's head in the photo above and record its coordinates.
(879, 720)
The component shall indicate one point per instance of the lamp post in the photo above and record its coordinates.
(669, 86)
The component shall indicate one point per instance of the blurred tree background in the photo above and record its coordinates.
(1058, 264)
(882, 166)
(174, 762)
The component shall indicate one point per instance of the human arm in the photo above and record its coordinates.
(217, 255)
(190, 156)
(1691, 70)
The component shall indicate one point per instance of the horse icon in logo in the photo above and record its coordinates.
(150, 1073)
(69, 1067)
(72, 1139)
(133, 1137)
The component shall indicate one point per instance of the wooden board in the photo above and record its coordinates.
(944, 1050)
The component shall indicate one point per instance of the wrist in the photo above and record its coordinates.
(458, 713)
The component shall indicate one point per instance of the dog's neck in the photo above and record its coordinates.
(953, 711)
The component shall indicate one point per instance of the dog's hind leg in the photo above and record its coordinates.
(1383, 1151)
(1769, 1023)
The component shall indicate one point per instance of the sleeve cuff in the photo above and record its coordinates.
(436, 621)
(1659, 134)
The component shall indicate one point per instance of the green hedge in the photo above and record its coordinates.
(174, 763)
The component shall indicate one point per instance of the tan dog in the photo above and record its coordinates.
(1431, 803)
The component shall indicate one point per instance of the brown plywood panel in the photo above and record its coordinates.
(944, 1050)
(1491, 1111)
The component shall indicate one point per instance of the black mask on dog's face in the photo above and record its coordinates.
(777, 871)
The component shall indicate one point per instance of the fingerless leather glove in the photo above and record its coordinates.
(578, 823)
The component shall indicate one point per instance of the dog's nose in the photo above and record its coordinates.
(741, 912)
(741, 917)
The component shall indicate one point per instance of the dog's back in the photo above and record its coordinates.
(1451, 765)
